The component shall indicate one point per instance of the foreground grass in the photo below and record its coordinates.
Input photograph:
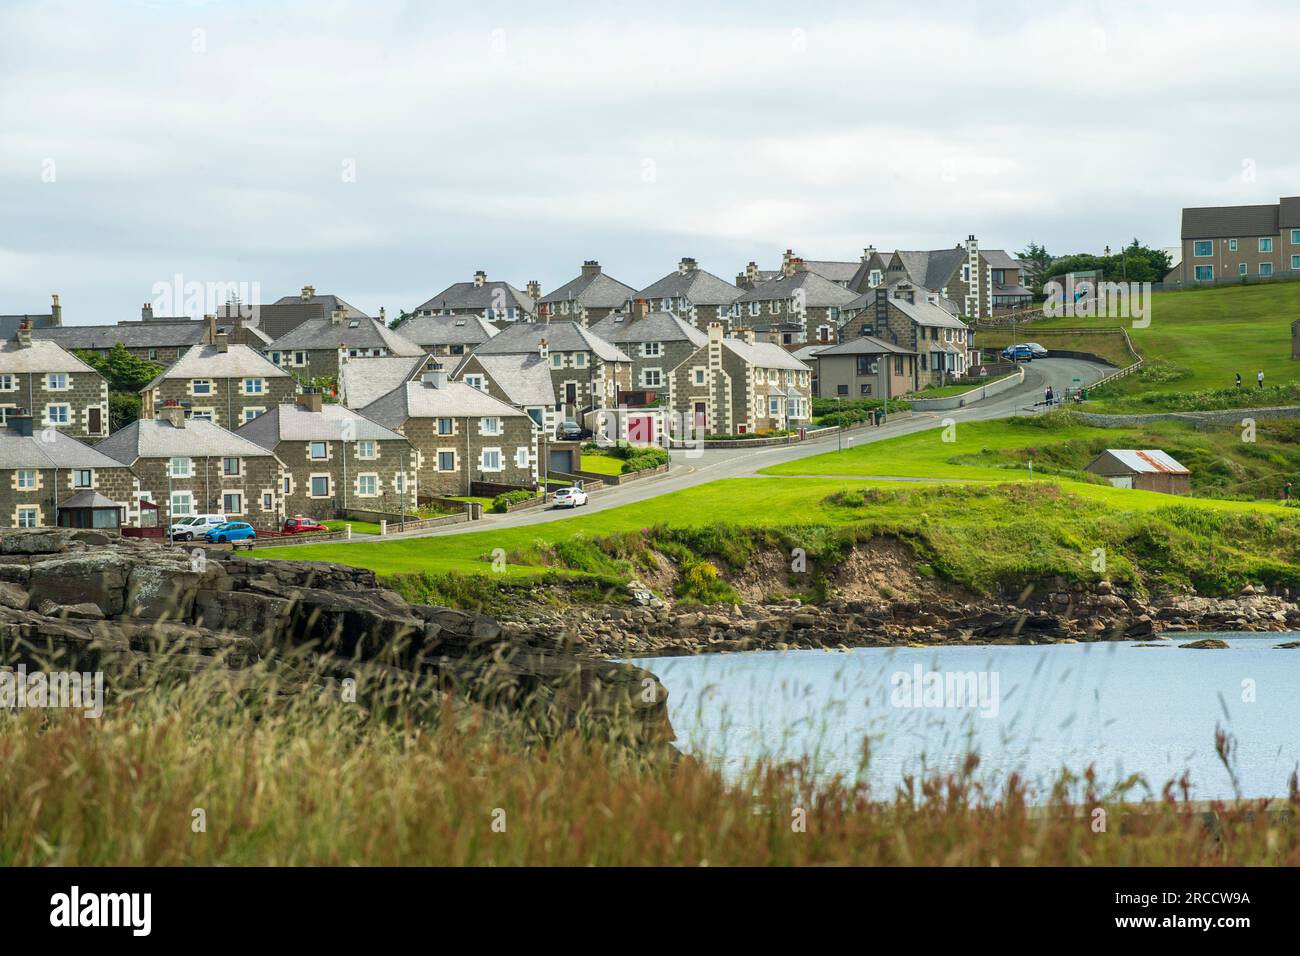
(315, 781)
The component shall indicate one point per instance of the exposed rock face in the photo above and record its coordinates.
(66, 597)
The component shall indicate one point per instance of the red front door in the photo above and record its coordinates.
(700, 417)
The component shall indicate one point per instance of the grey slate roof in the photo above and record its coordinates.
(597, 291)
(560, 337)
(697, 286)
(430, 330)
(158, 438)
(39, 357)
(362, 380)
(450, 400)
(525, 377)
(327, 302)
(863, 345)
(466, 295)
(1289, 212)
(818, 291)
(137, 335)
(89, 499)
(1230, 222)
(621, 329)
(833, 270)
(764, 354)
(278, 318)
(49, 449)
(332, 423)
(868, 298)
(208, 361)
(362, 333)
(931, 268)
(9, 323)
(1000, 259)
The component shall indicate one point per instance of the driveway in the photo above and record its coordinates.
(692, 467)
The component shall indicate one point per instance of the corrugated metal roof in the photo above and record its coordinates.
(1147, 461)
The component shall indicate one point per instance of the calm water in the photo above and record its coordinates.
(1121, 708)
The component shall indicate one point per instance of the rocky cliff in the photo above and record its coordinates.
(84, 600)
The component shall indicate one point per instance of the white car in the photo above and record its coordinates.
(570, 498)
(195, 526)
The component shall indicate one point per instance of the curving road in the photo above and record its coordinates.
(695, 467)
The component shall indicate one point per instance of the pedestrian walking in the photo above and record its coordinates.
(1047, 394)
(1286, 491)
(1260, 378)
(1239, 380)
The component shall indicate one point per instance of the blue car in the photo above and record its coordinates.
(1018, 353)
(231, 531)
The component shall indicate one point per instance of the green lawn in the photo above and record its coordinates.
(601, 464)
(358, 527)
(948, 391)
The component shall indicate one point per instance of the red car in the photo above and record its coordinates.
(300, 525)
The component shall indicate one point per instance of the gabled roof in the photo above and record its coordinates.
(9, 323)
(362, 333)
(1000, 259)
(942, 312)
(431, 330)
(158, 438)
(466, 295)
(1230, 222)
(327, 302)
(524, 377)
(695, 285)
(560, 337)
(621, 329)
(818, 291)
(764, 354)
(450, 400)
(133, 335)
(862, 345)
(39, 356)
(834, 270)
(208, 361)
(593, 291)
(1145, 461)
(362, 380)
(49, 449)
(332, 423)
(931, 268)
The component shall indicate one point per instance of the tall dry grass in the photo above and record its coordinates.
(286, 772)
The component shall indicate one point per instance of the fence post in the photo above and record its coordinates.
(348, 530)
(383, 526)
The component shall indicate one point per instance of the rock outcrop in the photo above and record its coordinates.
(83, 600)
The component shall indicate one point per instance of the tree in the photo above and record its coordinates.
(126, 376)
(1037, 263)
(402, 316)
(1134, 263)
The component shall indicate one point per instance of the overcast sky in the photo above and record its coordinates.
(382, 150)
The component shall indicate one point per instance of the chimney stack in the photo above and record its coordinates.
(434, 376)
(383, 316)
(223, 342)
(715, 331)
(56, 311)
(640, 309)
(310, 399)
(686, 265)
(173, 413)
(534, 290)
(591, 268)
(336, 316)
(308, 293)
(24, 334)
(21, 422)
(480, 278)
(209, 330)
(868, 252)
(747, 336)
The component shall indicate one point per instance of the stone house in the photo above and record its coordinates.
(588, 298)
(657, 342)
(735, 386)
(587, 373)
(916, 321)
(49, 479)
(841, 272)
(453, 335)
(461, 434)
(40, 320)
(522, 380)
(796, 307)
(157, 340)
(228, 385)
(191, 466)
(57, 388)
(863, 368)
(962, 274)
(496, 301)
(695, 295)
(336, 460)
(1007, 275)
(316, 348)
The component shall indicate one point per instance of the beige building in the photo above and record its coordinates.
(228, 385)
(58, 389)
(796, 307)
(1236, 243)
(864, 368)
(916, 321)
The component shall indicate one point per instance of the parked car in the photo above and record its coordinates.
(570, 498)
(231, 531)
(195, 526)
(1018, 353)
(570, 431)
(1038, 350)
(301, 525)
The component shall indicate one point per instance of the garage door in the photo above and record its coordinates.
(562, 461)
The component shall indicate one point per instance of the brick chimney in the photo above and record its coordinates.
(543, 348)
(146, 312)
(534, 290)
(480, 278)
(591, 268)
(173, 413)
(23, 337)
(308, 293)
(222, 342)
(687, 265)
(209, 330)
(309, 399)
(56, 311)
(640, 309)
(336, 316)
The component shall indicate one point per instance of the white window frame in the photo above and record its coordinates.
(254, 386)
(188, 498)
(26, 511)
(1266, 244)
(371, 479)
(1266, 269)
(522, 457)
(489, 427)
(26, 479)
(57, 382)
(1196, 274)
(367, 450)
(238, 497)
(206, 384)
(64, 419)
(188, 471)
(483, 460)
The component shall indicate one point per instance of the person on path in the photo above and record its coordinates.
(1286, 491)
(1260, 378)
(1239, 380)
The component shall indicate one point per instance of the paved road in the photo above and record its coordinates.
(694, 467)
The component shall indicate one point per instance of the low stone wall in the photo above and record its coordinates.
(472, 508)
(780, 440)
(395, 525)
(600, 479)
(974, 395)
(1202, 420)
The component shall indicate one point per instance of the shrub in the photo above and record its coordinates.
(502, 502)
(642, 458)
